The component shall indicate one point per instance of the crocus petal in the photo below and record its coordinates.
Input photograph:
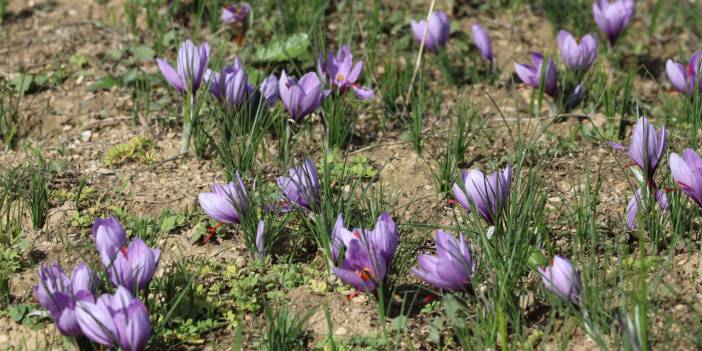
(527, 74)
(83, 279)
(632, 208)
(676, 75)
(96, 322)
(171, 75)
(363, 93)
(138, 327)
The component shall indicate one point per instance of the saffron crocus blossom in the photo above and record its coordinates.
(110, 238)
(235, 13)
(191, 67)
(301, 187)
(437, 33)
(269, 89)
(58, 293)
(225, 201)
(531, 74)
(612, 18)
(343, 73)
(231, 85)
(487, 194)
(632, 208)
(647, 147)
(578, 56)
(301, 97)
(482, 41)
(261, 239)
(368, 252)
(687, 173)
(685, 79)
(452, 267)
(562, 279)
(118, 320)
(134, 266)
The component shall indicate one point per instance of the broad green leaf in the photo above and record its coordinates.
(284, 49)
(143, 53)
(105, 83)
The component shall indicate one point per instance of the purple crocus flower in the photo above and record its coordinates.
(632, 208)
(482, 41)
(261, 239)
(647, 147)
(342, 73)
(437, 33)
(269, 89)
(118, 320)
(578, 56)
(231, 85)
(687, 173)
(685, 79)
(531, 74)
(452, 267)
(235, 13)
(612, 18)
(58, 293)
(192, 64)
(562, 279)
(134, 267)
(302, 185)
(110, 238)
(368, 252)
(487, 194)
(225, 201)
(301, 97)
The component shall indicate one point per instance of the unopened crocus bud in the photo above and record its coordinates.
(482, 41)
(452, 267)
(301, 187)
(561, 278)
(261, 239)
(437, 33)
(488, 194)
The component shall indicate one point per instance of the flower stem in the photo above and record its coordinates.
(187, 124)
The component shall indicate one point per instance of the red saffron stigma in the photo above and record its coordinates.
(350, 296)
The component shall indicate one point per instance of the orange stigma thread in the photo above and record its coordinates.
(366, 274)
(357, 234)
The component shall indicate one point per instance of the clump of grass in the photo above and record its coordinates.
(285, 331)
(240, 135)
(449, 160)
(138, 149)
(10, 111)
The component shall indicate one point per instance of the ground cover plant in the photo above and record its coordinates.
(350, 175)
